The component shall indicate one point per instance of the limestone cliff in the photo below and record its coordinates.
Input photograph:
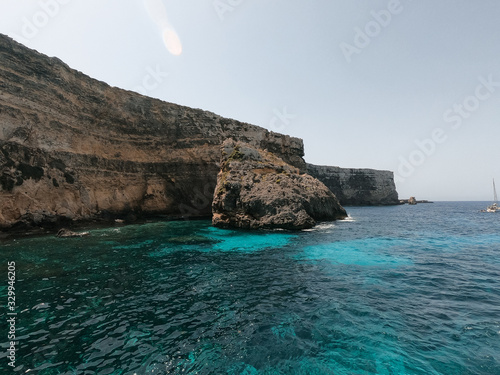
(72, 147)
(357, 187)
(257, 189)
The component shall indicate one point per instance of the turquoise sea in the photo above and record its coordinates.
(391, 290)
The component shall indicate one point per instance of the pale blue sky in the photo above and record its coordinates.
(362, 82)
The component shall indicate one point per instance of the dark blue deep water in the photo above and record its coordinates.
(393, 290)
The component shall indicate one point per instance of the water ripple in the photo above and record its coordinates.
(367, 296)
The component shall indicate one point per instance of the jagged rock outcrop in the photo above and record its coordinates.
(357, 187)
(74, 148)
(257, 189)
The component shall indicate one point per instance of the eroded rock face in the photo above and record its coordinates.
(257, 189)
(357, 187)
(74, 148)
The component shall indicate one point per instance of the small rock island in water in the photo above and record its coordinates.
(257, 189)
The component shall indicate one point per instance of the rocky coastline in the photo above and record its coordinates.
(74, 149)
(358, 187)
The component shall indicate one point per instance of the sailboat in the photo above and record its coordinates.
(494, 206)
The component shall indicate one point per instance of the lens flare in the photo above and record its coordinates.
(172, 41)
(158, 14)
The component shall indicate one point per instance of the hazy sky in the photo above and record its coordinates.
(408, 86)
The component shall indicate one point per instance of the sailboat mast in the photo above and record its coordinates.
(495, 199)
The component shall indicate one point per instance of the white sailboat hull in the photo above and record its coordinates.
(494, 207)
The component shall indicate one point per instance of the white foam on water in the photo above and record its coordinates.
(348, 219)
(320, 227)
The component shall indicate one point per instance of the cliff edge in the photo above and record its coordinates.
(74, 148)
(357, 187)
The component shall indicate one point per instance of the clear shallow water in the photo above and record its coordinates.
(393, 290)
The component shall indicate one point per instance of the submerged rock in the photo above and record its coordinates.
(257, 189)
(66, 233)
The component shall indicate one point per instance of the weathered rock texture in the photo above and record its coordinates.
(257, 189)
(357, 187)
(74, 148)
